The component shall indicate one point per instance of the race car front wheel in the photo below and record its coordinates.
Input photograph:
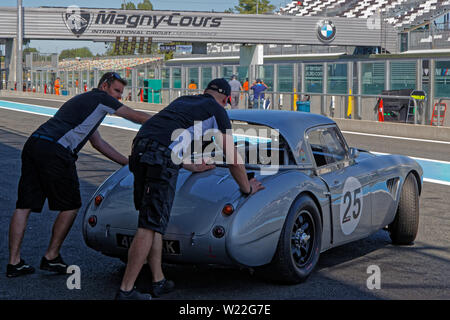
(403, 229)
(299, 245)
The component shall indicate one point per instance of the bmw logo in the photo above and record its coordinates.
(326, 30)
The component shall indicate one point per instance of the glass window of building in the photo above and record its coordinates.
(314, 78)
(165, 75)
(299, 78)
(265, 73)
(242, 73)
(193, 75)
(442, 79)
(227, 72)
(337, 78)
(285, 78)
(403, 75)
(176, 78)
(206, 77)
(373, 77)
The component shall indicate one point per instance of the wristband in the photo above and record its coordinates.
(249, 193)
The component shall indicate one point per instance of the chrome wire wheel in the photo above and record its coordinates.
(302, 238)
(298, 248)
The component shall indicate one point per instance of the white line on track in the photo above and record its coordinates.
(37, 105)
(445, 183)
(40, 114)
(43, 99)
(415, 158)
(441, 182)
(349, 132)
(395, 137)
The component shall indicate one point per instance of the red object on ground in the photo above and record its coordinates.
(438, 116)
(380, 111)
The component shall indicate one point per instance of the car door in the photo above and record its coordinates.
(348, 184)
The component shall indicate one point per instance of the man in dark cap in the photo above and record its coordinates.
(155, 160)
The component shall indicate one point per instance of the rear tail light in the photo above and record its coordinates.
(98, 199)
(228, 209)
(92, 221)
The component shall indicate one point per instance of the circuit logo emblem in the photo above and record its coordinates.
(76, 20)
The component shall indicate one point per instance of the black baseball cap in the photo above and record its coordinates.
(220, 85)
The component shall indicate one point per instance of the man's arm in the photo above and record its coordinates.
(106, 149)
(201, 167)
(132, 115)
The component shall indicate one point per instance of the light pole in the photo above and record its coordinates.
(257, 2)
(19, 41)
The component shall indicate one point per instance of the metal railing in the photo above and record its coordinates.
(334, 105)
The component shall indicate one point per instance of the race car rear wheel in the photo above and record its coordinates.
(299, 245)
(403, 230)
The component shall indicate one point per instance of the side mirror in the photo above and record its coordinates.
(354, 153)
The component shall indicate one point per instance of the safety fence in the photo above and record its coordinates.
(404, 109)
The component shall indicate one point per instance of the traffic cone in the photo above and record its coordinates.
(380, 111)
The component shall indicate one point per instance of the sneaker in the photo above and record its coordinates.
(19, 269)
(56, 265)
(162, 287)
(132, 295)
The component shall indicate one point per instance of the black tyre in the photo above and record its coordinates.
(403, 230)
(299, 245)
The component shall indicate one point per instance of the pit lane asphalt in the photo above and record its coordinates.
(412, 272)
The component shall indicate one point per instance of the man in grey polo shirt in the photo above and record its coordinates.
(236, 89)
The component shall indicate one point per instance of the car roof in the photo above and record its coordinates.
(291, 124)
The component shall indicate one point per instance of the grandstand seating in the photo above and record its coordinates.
(104, 63)
(399, 13)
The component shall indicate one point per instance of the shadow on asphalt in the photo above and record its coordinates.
(101, 275)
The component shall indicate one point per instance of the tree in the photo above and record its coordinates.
(29, 50)
(74, 53)
(144, 5)
(249, 7)
(128, 6)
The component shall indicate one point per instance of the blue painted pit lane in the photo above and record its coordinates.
(433, 170)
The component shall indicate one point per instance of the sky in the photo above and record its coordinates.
(186, 5)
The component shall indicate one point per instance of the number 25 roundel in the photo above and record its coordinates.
(351, 205)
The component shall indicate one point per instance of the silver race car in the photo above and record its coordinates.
(319, 194)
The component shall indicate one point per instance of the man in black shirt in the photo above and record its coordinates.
(158, 146)
(49, 172)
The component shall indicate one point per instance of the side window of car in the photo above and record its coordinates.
(327, 146)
